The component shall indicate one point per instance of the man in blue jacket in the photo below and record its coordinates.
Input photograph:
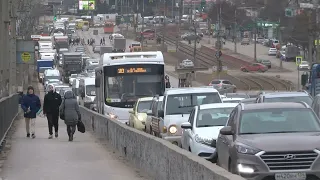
(31, 105)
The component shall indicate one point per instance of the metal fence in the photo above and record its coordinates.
(9, 108)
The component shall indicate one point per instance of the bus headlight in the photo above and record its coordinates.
(87, 99)
(173, 129)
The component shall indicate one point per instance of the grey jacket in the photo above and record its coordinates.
(71, 109)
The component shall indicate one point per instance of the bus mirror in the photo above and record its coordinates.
(97, 82)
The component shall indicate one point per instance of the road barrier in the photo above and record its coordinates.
(9, 108)
(159, 158)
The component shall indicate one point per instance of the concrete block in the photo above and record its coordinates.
(161, 159)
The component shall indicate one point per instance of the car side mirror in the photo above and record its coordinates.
(131, 111)
(186, 125)
(149, 113)
(227, 130)
(160, 113)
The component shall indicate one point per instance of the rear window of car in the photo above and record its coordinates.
(215, 82)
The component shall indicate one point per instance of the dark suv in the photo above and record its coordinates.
(271, 141)
(285, 97)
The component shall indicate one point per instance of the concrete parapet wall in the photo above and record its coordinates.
(159, 158)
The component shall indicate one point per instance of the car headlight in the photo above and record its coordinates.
(203, 140)
(113, 116)
(244, 149)
(173, 129)
(140, 118)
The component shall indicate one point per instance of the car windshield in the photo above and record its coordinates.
(231, 100)
(144, 105)
(306, 99)
(278, 121)
(73, 76)
(60, 90)
(53, 80)
(90, 90)
(183, 103)
(237, 95)
(213, 117)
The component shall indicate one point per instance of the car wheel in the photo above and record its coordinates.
(259, 70)
(234, 90)
(244, 70)
(217, 162)
(189, 149)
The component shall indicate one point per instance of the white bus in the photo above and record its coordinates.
(125, 77)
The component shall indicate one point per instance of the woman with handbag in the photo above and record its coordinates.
(70, 113)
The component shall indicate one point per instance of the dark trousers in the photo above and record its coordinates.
(53, 121)
(71, 129)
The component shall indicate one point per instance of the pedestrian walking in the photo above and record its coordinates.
(51, 104)
(88, 41)
(31, 105)
(101, 41)
(104, 41)
(70, 113)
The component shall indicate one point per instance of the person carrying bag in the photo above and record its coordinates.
(70, 113)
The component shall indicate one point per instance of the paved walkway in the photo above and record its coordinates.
(57, 159)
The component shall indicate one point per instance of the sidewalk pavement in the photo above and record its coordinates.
(57, 159)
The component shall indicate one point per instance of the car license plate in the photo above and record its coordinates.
(290, 176)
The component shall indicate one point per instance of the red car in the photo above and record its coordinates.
(254, 67)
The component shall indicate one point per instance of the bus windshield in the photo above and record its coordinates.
(124, 84)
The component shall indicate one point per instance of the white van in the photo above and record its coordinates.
(45, 45)
(48, 55)
(176, 107)
(51, 74)
(87, 91)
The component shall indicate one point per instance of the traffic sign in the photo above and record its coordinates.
(131, 19)
(298, 60)
(26, 57)
(122, 19)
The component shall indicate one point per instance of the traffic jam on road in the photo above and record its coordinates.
(272, 135)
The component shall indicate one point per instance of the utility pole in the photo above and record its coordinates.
(255, 39)
(318, 33)
(164, 22)
(219, 43)
(180, 4)
(142, 26)
(310, 39)
(235, 30)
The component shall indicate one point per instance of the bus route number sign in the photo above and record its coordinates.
(133, 70)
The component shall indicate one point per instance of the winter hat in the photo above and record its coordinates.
(30, 87)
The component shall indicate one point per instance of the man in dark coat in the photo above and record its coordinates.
(31, 105)
(51, 104)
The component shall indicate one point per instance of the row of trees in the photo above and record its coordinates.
(294, 29)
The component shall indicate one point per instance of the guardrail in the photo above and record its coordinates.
(159, 158)
(9, 108)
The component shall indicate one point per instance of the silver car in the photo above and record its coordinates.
(223, 86)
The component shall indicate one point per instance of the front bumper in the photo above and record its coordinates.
(139, 125)
(174, 139)
(262, 172)
(204, 151)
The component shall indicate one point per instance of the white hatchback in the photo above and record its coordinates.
(272, 52)
(201, 131)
